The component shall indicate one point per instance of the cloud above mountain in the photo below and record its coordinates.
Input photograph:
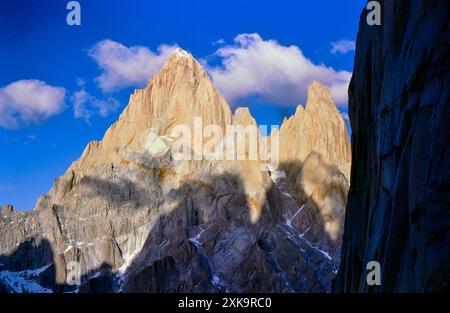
(26, 102)
(124, 66)
(250, 66)
(276, 73)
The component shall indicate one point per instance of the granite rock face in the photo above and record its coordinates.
(399, 199)
(320, 128)
(136, 219)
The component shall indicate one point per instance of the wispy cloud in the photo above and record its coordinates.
(342, 46)
(26, 102)
(279, 74)
(29, 139)
(127, 66)
(85, 105)
(219, 42)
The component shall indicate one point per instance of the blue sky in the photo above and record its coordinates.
(40, 52)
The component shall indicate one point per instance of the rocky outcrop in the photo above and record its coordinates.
(137, 219)
(399, 199)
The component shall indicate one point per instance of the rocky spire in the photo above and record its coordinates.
(319, 99)
(319, 127)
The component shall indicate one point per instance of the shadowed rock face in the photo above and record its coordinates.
(399, 200)
(137, 220)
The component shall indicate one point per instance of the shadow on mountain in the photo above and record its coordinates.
(29, 268)
(204, 239)
(209, 232)
(122, 191)
(176, 256)
(318, 192)
(322, 188)
(99, 280)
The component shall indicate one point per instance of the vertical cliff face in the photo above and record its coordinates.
(399, 199)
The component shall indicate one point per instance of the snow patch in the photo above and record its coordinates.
(181, 53)
(315, 247)
(196, 238)
(215, 280)
(23, 281)
(68, 248)
(128, 259)
(291, 219)
(96, 275)
(287, 194)
(154, 144)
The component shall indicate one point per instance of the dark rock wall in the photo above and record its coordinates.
(399, 199)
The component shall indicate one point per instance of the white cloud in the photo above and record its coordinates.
(250, 66)
(79, 101)
(342, 46)
(105, 107)
(276, 73)
(219, 42)
(127, 66)
(85, 105)
(26, 102)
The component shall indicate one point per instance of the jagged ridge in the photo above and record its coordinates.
(137, 220)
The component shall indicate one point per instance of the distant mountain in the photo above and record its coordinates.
(138, 219)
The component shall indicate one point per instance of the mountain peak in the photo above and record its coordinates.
(320, 128)
(176, 95)
(180, 56)
(316, 85)
(243, 116)
(299, 110)
(317, 89)
(180, 53)
(319, 98)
